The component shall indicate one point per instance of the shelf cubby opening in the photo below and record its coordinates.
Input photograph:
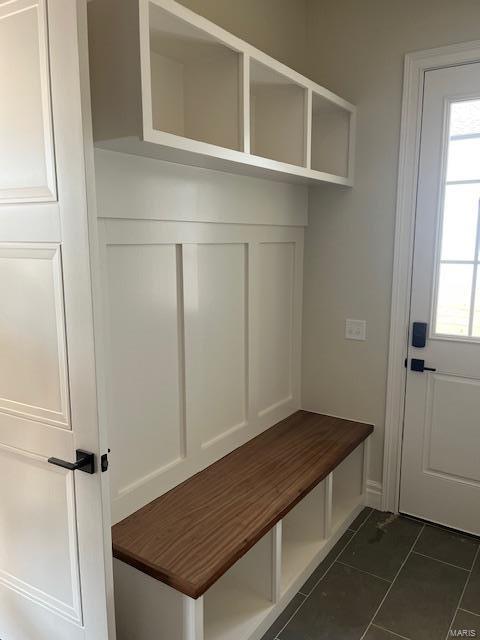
(238, 602)
(303, 535)
(347, 487)
(277, 116)
(330, 137)
(195, 82)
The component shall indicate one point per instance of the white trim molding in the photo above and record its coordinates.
(416, 65)
(374, 495)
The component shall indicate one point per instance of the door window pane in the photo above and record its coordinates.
(454, 295)
(465, 117)
(464, 159)
(476, 313)
(460, 217)
(459, 254)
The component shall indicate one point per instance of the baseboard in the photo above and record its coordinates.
(374, 494)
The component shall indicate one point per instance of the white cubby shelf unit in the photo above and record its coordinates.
(169, 84)
(245, 601)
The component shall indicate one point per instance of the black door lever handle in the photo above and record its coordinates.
(85, 462)
(419, 366)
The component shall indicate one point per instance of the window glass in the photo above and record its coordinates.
(454, 294)
(458, 284)
(463, 156)
(465, 118)
(460, 216)
(476, 313)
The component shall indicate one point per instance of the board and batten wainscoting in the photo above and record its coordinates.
(203, 317)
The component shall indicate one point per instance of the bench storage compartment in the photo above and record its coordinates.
(304, 534)
(348, 488)
(235, 542)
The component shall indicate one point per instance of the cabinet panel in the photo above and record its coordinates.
(27, 160)
(43, 495)
(33, 367)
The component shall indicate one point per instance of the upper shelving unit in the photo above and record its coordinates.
(168, 84)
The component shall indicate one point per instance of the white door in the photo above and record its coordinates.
(53, 569)
(441, 449)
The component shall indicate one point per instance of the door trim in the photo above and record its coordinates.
(415, 66)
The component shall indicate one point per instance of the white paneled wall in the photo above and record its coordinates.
(276, 340)
(145, 388)
(133, 187)
(203, 319)
(216, 340)
(196, 313)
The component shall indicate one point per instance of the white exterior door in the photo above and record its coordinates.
(441, 448)
(54, 572)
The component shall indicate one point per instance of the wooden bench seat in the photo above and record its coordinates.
(190, 536)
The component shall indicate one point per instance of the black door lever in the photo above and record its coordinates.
(85, 462)
(419, 365)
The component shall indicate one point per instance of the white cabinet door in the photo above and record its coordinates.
(441, 461)
(54, 572)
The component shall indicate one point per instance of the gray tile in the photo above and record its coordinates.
(465, 625)
(284, 617)
(339, 608)
(360, 519)
(326, 563)
(375, 633)
(447, 546)
(423, 599)
(382, 544)
(471, 598)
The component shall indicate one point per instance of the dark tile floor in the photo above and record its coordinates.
(387, 578)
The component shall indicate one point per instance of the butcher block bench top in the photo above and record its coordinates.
(191, 535)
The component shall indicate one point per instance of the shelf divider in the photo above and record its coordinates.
(307, 144)
(245, 102)
(328, 505)
(277, 562)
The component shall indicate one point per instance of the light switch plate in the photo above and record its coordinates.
(355, 329)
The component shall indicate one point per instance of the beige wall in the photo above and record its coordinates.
(277, 27)
(356, 49)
